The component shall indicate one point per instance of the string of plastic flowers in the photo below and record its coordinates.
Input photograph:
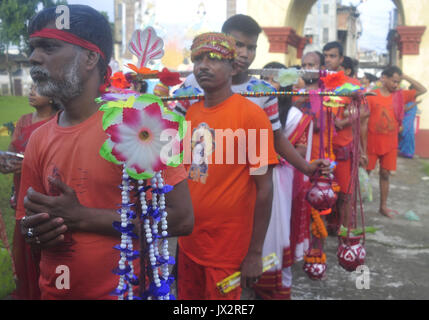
(134, 124)
(134, 127)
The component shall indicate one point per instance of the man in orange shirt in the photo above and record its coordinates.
(230, 178)
(69, 193)
(385, 118)
(342, 144)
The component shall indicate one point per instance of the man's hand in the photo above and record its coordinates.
(251, 269)
(65, 206)
(44, 230)
(324, 165)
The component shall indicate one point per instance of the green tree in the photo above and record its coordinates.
(14, 16)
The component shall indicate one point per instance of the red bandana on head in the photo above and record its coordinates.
(74, 39)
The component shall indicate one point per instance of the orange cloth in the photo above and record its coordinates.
(270, 285)
(382, 124)
(315, 147)
(387, 160)
(315, 152)
(224, 204)
(196, 282)
(342, 174)
(23, 130)
(72, 153)
(345, 136)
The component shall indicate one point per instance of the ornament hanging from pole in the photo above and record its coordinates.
(144, 138)
(351, 251)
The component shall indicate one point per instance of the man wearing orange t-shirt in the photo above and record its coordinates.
(69, 194)
(342, 144)
(385, 118)
(230, 178)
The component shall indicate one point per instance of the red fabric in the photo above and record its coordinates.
(387, 161)
(72, 153)
(398, 106)
(197, 282)
(301, 130)
(342, 175)
(300, 218)
(383, 125)
(334, 80)
(67, 37)
(27, 261)
(270, 287)
(287, 258)
(272, 110)
(315, 147)
(224, 204)
(169, 78)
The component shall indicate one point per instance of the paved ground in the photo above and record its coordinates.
(397, 254)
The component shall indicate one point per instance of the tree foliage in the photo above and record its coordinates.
(14, 16)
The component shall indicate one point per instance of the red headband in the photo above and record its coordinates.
(74, 39)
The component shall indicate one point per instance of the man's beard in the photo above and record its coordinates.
(62, 90)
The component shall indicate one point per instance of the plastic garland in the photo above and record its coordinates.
(134, 126)
(138, 127)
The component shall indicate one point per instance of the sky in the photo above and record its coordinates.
(101, 5)
(374, 17)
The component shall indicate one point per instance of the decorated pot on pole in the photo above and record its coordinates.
(315, 264)
(351, 253)
(321, 195)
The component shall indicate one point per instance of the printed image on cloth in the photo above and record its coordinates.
(256, 85)
(203, 145)
(386, 123)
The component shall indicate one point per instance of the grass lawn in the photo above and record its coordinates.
(11, 109)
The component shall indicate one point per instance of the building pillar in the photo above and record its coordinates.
(409, 39)
(231, 8)
(281, 37)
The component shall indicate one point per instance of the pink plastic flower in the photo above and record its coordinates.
(137, 140)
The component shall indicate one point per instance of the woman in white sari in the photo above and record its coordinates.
(276, 283)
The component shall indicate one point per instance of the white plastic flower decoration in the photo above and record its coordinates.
(143, 136)
(287, 77)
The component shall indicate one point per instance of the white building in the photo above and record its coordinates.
(21, 79)
(330, 21)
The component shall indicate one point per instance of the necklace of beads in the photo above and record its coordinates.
(153, 214)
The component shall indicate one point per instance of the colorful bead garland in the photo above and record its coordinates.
(260, 94)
